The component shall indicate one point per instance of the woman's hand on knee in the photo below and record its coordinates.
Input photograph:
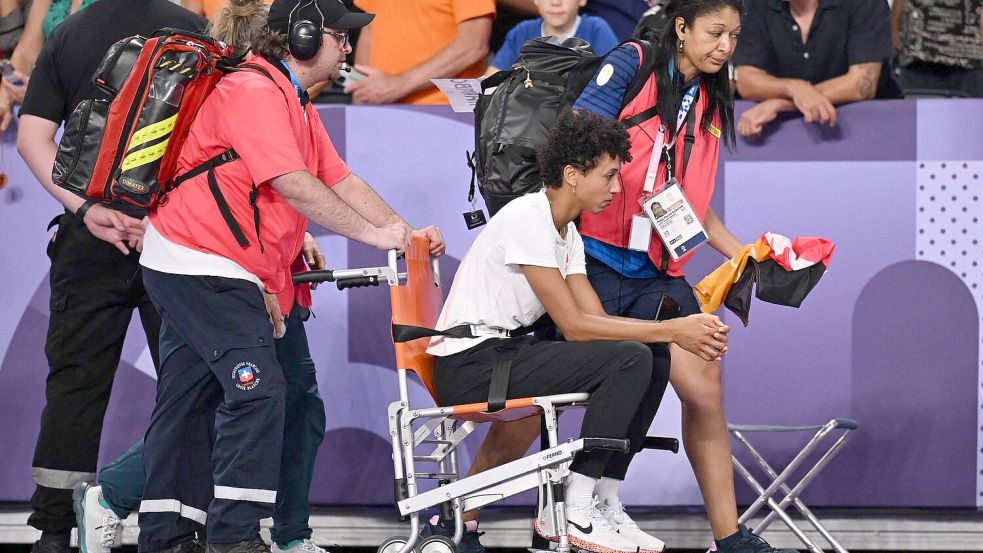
(702, 334)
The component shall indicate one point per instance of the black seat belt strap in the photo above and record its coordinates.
(498, 388)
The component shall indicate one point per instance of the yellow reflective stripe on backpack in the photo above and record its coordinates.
(152, 132)
(144, 156)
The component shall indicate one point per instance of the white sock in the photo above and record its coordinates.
(607, 490)
(579, 489)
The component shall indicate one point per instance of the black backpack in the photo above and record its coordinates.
(518, 106)
(653, 20)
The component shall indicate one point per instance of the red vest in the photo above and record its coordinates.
(613, 224)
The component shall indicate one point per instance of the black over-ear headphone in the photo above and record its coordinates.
(304, 38)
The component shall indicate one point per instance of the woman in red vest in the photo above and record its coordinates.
(676, 122)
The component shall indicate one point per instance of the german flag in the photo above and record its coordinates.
(783, 271)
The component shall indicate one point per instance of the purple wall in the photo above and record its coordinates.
(890, 337)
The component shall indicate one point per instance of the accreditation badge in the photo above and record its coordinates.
(673, 220)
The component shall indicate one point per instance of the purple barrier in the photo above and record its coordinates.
(890, 337)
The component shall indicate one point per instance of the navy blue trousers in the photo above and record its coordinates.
(123, 480)
(638, 298)
(212, 451)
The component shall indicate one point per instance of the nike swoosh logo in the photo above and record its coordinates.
(585, 530)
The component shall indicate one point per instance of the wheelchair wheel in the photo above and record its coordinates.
(394, 544)
(438, 544)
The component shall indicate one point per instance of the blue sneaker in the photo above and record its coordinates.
(746, 541)
(470, 541)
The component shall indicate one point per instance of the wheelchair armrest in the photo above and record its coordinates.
(658, 442)
(613, 444)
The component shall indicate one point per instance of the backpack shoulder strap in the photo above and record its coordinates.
(690, 137)
(646, 54)
(227, 157)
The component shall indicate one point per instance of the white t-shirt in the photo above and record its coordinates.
(490, 289)
(160, 254)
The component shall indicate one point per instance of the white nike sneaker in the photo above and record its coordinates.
(299, 546)
(98, 526)
(588, 530)
(627, 528)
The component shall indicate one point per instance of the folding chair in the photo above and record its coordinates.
(416, 301)
(779, 481)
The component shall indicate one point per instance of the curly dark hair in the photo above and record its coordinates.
(579, 138)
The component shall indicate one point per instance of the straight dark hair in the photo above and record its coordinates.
(721, 96)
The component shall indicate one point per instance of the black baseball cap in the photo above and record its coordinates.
(336, 15)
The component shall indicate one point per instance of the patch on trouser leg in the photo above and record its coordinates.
(246, 375)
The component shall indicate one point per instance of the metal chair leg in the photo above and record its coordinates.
(766, 500)
(792, 495)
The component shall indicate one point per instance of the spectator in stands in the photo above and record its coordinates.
(810, 56)
(24, 54)
(509, 13)
(95, 273)
(621, 15)
(939, 47)
(410, 43)
(13, 14)
(556, 18)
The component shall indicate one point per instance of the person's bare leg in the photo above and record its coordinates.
(505, 442)
(698, 385)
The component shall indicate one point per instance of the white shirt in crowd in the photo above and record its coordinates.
(490, 288)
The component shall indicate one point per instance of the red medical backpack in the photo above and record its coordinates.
(126, 149)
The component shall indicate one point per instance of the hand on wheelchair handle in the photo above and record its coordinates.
(393, 236)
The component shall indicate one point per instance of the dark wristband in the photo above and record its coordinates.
(80, 213)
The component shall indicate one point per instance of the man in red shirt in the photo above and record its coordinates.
(216, 260)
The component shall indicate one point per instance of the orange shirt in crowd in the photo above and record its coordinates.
(406, 33)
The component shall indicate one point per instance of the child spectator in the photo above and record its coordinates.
(556, 18)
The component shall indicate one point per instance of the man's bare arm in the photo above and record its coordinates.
(858, 83)
(357, 193)
(312, 199)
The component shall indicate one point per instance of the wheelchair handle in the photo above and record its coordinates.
(368, 276)
(357, 282)
(310, 277)
(614, 444)
(352, 278)
(658, 442)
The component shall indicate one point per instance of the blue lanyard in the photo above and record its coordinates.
(301, 93)
(684, 105)
(660, 147)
